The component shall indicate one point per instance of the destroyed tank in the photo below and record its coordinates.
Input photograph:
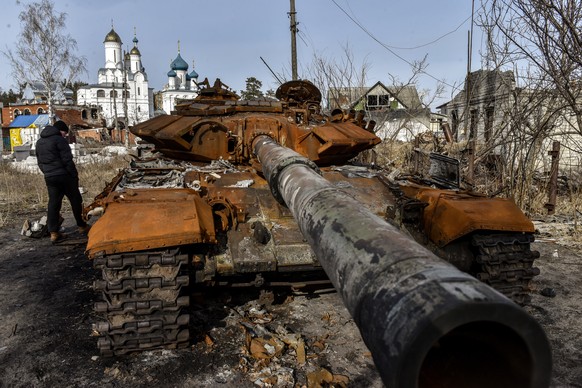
(262, 193)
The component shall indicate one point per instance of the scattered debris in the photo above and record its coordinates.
(549, 292)
(35, 229)
(244, 183)
(322, 377)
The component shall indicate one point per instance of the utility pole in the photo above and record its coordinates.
(553, 187)
(292, 14)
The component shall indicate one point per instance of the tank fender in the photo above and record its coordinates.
(450, 215)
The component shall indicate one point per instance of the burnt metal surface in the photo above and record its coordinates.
(411, 307)
(450, 215)
(505, 262)
(142, 301)
(211, 128)
(220, 216)
(145, 215)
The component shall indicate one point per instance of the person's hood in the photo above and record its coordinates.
(49, 130)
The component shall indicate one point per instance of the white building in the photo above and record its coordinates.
(122, 92)
(180, 86)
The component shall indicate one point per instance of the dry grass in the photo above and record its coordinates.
(400, 155)
(95, 175)
(22, 192)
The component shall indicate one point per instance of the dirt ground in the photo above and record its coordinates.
(46, 302)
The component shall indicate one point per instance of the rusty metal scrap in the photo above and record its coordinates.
(208, 129)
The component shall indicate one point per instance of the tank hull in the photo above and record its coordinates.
(260, 194)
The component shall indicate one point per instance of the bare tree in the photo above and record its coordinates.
(539, 41)
(342, 80)
(44, 53)
(409, 121)
(543, 36)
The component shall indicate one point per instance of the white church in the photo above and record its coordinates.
(181, 84)
(122, 92)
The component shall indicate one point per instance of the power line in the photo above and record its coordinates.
(390, 48)
(424, 44)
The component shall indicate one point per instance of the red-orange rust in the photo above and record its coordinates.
(143, 219)
(269, 198)
(450, 215)
(210, 129)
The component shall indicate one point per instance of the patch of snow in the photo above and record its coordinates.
(114, 151)
(29, 164)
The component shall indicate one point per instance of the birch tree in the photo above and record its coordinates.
(44, 52)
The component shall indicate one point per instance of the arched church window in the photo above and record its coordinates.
(100, 93)
(27, 112)
(40, 111)
(17, 112)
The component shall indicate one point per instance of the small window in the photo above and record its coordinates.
(489, 112)
(455, 123)
(372, 100)
(138, 91)
(40, 111)
(384, 99)
(100, 93)
(474, 120)
(17, 112)
(113, 94)
(27, 112)
(84, 114)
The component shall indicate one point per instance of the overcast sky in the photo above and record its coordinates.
(227, 38)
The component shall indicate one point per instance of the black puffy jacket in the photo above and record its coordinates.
(53, 154)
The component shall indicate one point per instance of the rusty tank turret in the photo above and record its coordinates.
(261, 192)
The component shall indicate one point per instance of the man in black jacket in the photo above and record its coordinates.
(60, 174)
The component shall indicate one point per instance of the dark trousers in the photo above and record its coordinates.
(58, 187)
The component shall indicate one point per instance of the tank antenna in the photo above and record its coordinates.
(271, 70)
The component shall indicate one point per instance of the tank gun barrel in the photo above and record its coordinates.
(425, 322)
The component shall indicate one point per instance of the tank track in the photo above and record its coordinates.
(142, 301)
(505, 262)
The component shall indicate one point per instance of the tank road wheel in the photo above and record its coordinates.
(505, 262)
(142, 301)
